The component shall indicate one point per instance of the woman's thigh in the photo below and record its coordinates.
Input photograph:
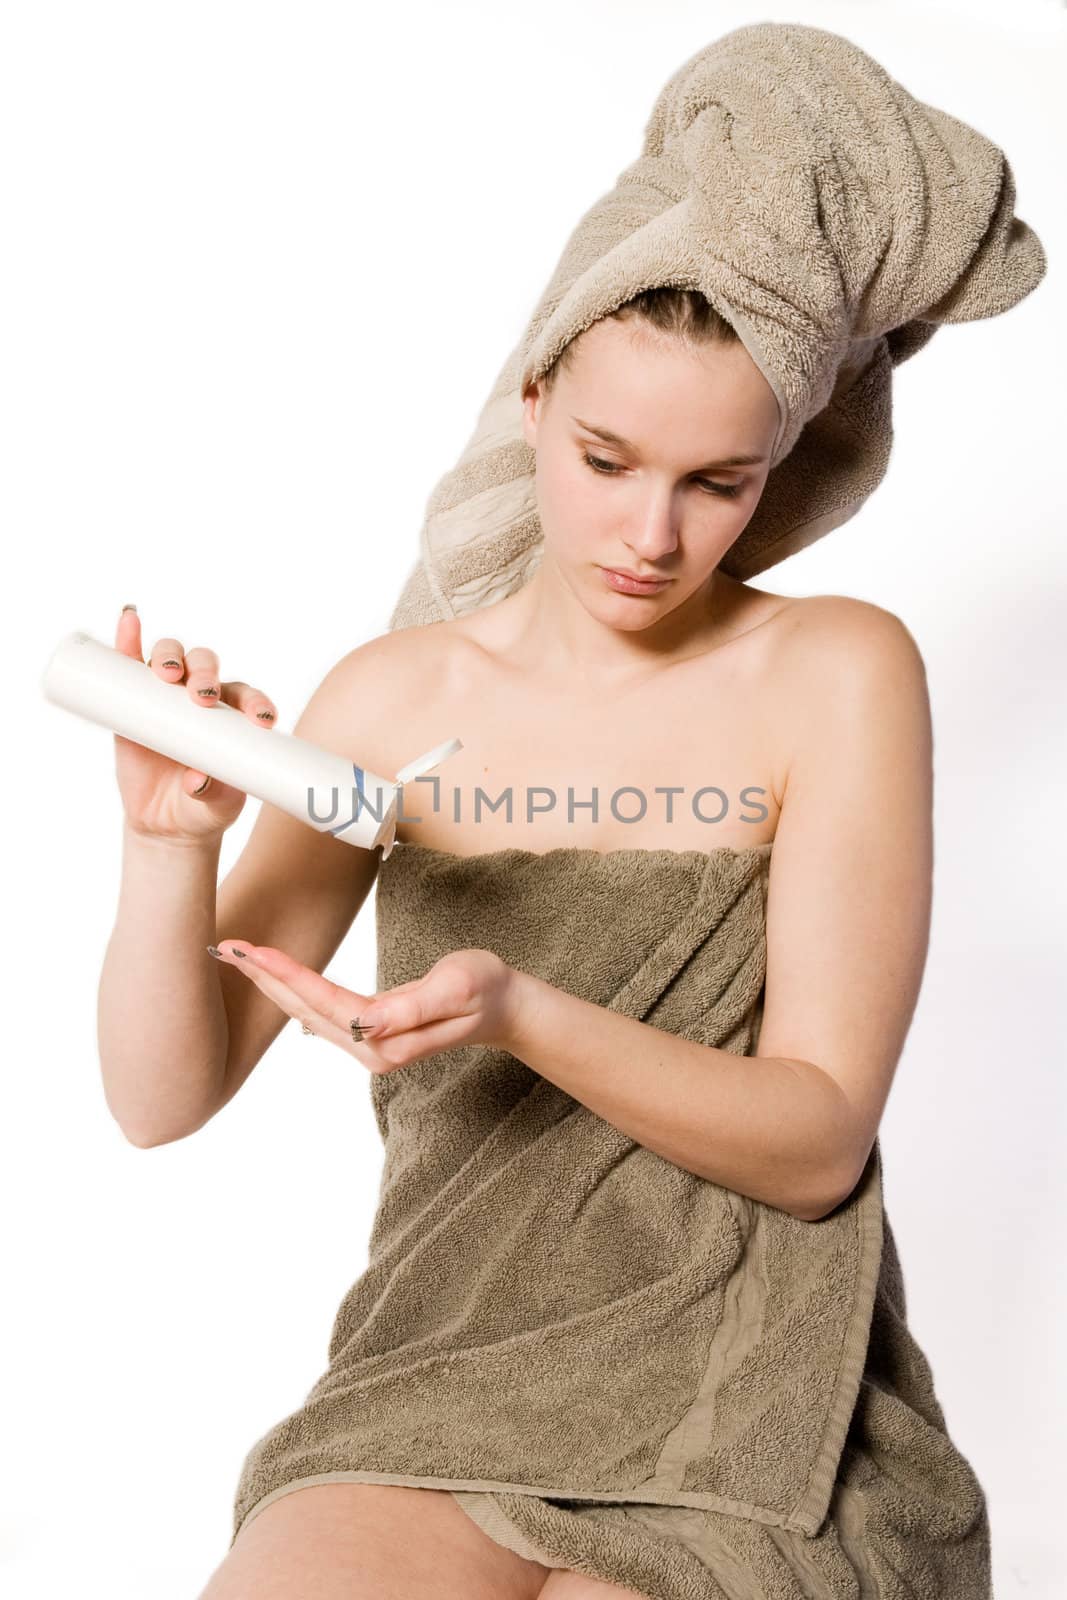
(369, 1541)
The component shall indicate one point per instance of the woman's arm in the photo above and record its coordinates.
(847, 931)
(778, 1135)
(177, 1033)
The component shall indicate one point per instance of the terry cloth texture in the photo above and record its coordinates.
(832, 218)
(616, 1365)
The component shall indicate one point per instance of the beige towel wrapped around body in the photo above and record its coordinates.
(613, 1363)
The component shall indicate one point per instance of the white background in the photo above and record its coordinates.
(261, 264)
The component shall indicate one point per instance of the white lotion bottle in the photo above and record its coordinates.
(316, 786)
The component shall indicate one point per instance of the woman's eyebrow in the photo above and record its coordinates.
(624, 444)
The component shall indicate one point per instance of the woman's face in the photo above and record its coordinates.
(666, 503)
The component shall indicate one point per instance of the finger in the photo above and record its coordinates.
(399, 1049)
(273, 988)
(409, 1007)
(328, 999)
(196, 784)
(398, 988)
(296, 1006)
(329, 1011)
(416, 1019)
(233, 956)
(253, 702)
(202, 675)
(167, 660)
(128, 633)
(419, 1004)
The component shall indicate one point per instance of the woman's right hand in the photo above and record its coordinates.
(162, 798)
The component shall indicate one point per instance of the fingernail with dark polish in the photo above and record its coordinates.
(216, 953)
(172, 663)
(208, 693)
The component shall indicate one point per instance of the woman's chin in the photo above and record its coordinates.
(626, 615)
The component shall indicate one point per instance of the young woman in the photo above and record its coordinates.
(803, 727)
(633, 1319)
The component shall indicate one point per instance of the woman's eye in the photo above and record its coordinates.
(598, 465)
(728, 491)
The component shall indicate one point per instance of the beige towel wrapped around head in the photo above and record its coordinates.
(834, 220)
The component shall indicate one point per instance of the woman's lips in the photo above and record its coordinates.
(624, 585)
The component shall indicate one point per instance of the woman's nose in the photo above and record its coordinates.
(655, 534)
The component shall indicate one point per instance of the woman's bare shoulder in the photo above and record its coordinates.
(836, 658)
(834, 629)
(824, 652)
(399, 650)
(388, 676)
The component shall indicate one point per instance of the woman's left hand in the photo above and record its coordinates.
(467, 997)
